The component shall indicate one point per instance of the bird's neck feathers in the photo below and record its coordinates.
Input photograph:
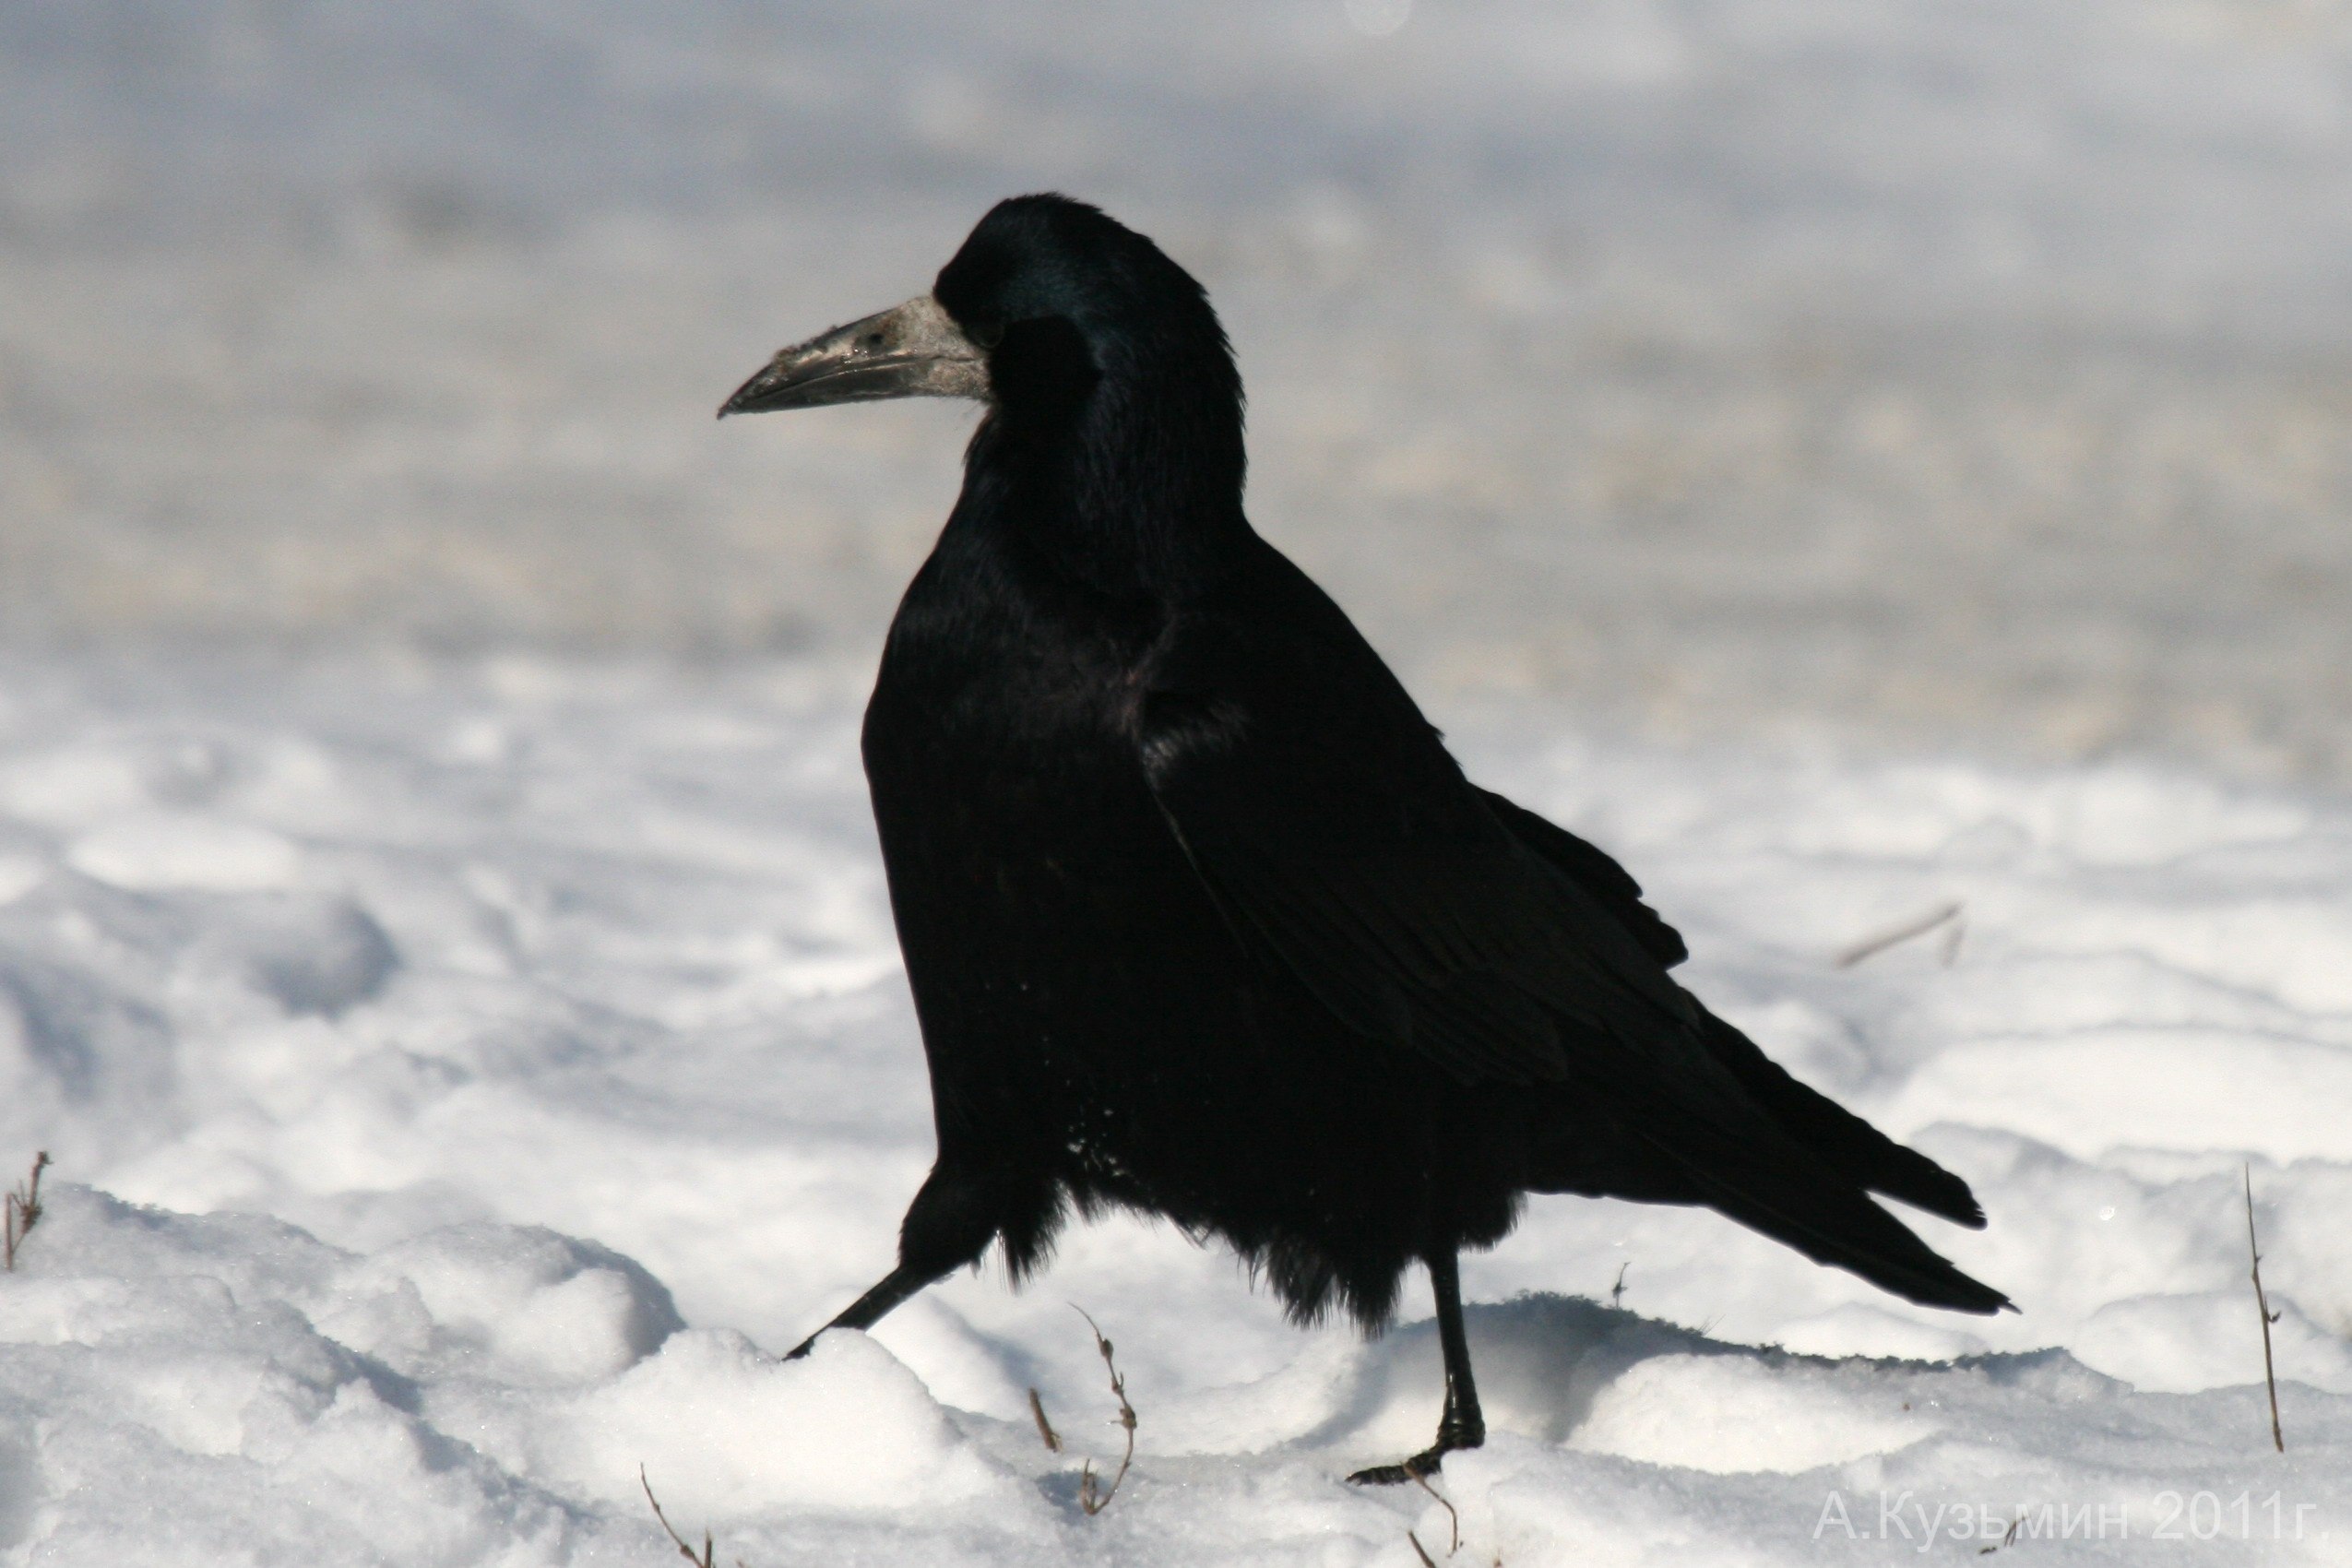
(1118, 461)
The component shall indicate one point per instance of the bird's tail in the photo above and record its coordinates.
(1799, 1203)
(1838, 1138)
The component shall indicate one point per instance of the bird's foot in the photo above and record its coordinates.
(1413, 1469)
(1421, 1466)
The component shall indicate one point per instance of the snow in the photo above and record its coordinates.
(1741, 418)
(1943, 370)
(463, 1078)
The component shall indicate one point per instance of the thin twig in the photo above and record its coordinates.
(1895, 935)
(1420, 1550)
(1044, 1428)
(2262, 1305)
(1422, 1481)
(683, 1550)
(1093, 1499)
(23, 1212)
(1616, 1291)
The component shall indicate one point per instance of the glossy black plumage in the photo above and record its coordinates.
(1200, 916)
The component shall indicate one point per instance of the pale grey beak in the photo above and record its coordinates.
(915, 350)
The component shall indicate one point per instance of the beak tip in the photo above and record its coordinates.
(743, 400)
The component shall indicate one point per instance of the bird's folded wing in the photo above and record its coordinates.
(1343, 842)
(1591, 868)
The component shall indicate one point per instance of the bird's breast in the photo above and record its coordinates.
(1069, 968)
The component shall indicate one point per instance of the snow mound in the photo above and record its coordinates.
(1724, 1415)
(743, 1433)
(198, 1389)
(406, 1204)
(520, 1306)
(183, 1387)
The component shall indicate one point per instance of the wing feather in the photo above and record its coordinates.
(1327, 820)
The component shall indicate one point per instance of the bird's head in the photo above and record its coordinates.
(1046, 300)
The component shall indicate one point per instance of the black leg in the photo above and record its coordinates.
(950, 1223)
(868, 1310)
(1461, 1425)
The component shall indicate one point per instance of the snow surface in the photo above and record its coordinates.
(1958, 369)
(461, 1079)
(456, 1072)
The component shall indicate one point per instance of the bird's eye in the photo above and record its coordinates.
(870, 340)
(987, 334)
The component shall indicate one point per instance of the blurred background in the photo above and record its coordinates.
(1965, 376)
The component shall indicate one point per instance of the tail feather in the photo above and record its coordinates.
(1805, 1206)
(1841, 1140)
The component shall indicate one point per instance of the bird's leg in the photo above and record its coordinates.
(868, 1310)
(950, 1223)
(1461, 1425)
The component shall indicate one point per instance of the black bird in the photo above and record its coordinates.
(1201, 918)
